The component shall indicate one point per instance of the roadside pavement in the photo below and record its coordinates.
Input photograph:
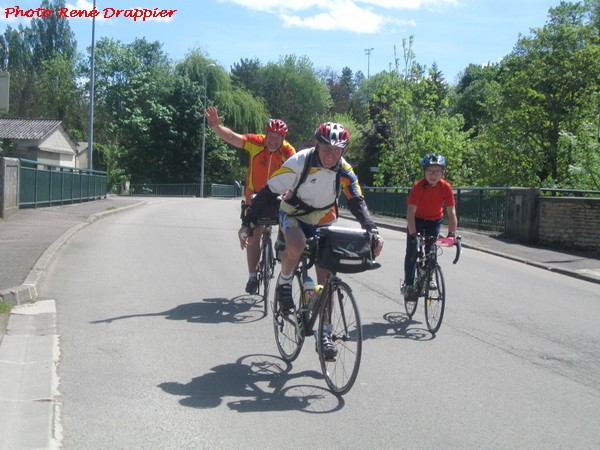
(582, 265)
(30, 238)
(29, 340)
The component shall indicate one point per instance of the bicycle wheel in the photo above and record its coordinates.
(289, 328)
(435, 299)
(409, 306)
(267, 267)
(342, 313)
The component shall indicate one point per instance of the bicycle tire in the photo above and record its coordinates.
(409, 306)
(289, 328)
(435, 299)
(346, 334)
(267, 267)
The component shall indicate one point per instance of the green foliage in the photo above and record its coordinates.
(246, 74)
(110, 160)
(549, 87)
(295, 94)
(408, 119)
(530, 120)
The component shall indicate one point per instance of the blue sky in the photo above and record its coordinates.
(331, 33)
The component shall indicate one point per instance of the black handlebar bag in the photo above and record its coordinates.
(344, 250)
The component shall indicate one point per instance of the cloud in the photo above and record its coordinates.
(358, 16)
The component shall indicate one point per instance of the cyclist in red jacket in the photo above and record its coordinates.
(267, 153)
(425, 214)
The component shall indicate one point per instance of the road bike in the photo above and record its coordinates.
(334, 307)
(266, 264)
(430, 283)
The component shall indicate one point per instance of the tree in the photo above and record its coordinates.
(408, 119)
(16, 50)
(550, 86)
(477, 96)
(294, 93)
(60, 96)
(246, 74)
(51, 35)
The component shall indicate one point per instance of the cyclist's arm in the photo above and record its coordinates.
(410, 219)
(452, 219)
(358, 207)
(263, 199)
(228, 135)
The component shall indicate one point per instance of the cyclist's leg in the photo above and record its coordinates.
(294, 246)
(253, 258)
(410, 264)
(432, 228)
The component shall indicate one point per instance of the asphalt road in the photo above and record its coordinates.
(160, 348)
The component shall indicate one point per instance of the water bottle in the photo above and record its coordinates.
(309, 291)
(313, 300)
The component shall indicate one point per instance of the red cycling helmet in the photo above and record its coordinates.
(277, 126)
(331, 133)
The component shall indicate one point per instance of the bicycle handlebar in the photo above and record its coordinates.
(458, 243)
(445, 242)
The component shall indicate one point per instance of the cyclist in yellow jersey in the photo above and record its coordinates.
(267, 154)
(312, 204)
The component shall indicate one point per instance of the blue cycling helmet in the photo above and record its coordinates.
(433, 159)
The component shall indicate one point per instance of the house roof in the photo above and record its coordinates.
(30, 129)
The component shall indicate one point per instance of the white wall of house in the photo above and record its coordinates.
(57, 148)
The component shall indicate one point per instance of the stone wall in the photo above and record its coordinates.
(9, 186)
(569, 222)
(522, 215)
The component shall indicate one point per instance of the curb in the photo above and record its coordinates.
(29, 290)
(566, 272)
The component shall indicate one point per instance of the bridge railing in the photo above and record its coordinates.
(181, 190)
(45, 184)
(481, 208)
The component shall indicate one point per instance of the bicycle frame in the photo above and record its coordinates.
(310, 314)
(426, 260)
(429, 282)
(336, 312)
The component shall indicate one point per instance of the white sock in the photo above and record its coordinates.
(252, 275)
(285, 279)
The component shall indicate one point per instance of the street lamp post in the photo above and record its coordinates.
(92, 80)
(368, 53)
(204, 135)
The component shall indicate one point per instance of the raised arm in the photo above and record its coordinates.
(228, 135)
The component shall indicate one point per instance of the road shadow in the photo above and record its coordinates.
(398, 325)
(240, 309)
(256, 383)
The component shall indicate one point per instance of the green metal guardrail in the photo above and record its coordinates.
(182, 190)
(481, 208)
(44, 184)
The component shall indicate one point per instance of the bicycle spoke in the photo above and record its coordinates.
(288, 328)
(435, 300)
(346, 334)
(266, 268)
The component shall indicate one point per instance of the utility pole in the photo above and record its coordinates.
(368, 53)
(92, 80)
(204, 129)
